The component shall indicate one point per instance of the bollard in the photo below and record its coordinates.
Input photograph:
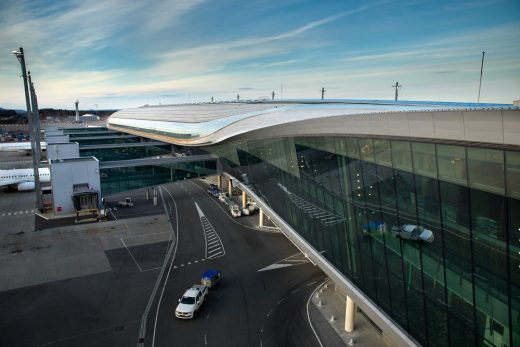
(155, 197)
(351, 342)
(332, 318)
(319, 303)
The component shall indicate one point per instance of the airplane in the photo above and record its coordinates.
(23, 179)
(20, 146)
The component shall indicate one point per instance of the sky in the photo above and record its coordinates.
(124, 53)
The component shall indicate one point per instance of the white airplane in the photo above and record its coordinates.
(23, 179)
(19, 146)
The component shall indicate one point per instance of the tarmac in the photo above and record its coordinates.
(87, 242)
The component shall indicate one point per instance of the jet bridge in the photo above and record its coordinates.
(122, 175)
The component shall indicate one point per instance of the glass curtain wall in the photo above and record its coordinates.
(352, 197)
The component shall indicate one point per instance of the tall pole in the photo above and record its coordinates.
(35, 143)
(480, 83)
(21, 58)
(396, 86)
(36, 117)
(322, 93)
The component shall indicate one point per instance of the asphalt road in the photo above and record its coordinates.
(248, 307)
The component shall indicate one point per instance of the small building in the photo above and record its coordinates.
(76, 186)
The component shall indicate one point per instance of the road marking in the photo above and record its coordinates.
(171, 251)
(280, 301)
(308, 314)
(141, 270)
(269, 313)
(216, 249)
(286, 262)
(205, 339)
(295, 291)
(310, 284)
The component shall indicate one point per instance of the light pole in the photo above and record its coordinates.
(21, 58)
(480, 83)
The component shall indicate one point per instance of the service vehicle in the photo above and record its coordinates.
(191, 301)
(128, 202)
(211, 277)
(413, 232)
(222, 196)
(235, 210)
(212, 188)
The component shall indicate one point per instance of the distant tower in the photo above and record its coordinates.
(322, 93)
(211, 99)
(77, 110)
(238, 97)
(272, 95)
(396, 86)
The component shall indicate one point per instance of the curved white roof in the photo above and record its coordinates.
(205, 124)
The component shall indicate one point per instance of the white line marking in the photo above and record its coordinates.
(131, 255)
(308, 314)
(310, 284)
(162, 270)
(280, 301)
(269, 313)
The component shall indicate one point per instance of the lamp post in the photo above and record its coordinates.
(21, 58)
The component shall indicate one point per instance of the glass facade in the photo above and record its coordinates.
(125, 153)
(121, 179)
(345, 195)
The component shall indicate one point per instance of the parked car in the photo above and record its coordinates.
(211, 277)
(413, 232)
(191, 301)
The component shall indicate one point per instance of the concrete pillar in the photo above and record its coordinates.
(350, 311)
(219, 181)
(244, 199)
(261, 218)
(229, 188)
(154, 196)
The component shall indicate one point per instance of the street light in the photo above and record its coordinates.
(34, 137)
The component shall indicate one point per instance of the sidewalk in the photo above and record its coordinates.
(328, 318)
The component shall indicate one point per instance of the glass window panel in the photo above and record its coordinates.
(486, 169)
(366, 149)
(405, 189)
(401, 155)
(424, 159)
(351, 147)
(451, 161)
(437, 322)
(513, 174)
(383, 152)
(514, 241)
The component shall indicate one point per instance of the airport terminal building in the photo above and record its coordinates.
(347, 177)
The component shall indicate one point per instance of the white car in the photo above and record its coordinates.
(413, 232)
(191, 302)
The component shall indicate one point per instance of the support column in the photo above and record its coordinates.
(219, 181)
(229, 188)
(244, 199)
(349, 315)
(261, 218)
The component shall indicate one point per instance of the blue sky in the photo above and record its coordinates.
(126, 53)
